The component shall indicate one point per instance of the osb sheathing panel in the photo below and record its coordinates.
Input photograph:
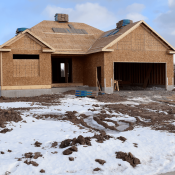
(44, 77)
(138, 46)
(79, 43)
(25, 43)
(91, 62)
(140, 39)
(77, 69)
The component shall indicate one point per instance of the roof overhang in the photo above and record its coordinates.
(5, 50)
(171, 52)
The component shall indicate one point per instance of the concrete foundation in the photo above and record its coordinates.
(170, 87)
(38, 92)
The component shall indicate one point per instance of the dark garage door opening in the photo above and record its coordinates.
(140, 74)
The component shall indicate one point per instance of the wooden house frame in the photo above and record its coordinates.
(30, 63)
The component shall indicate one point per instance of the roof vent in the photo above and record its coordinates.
(19, 30)
(61, 17)
(124, 22)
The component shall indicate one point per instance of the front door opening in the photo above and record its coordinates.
(99, 77)
(61, 70)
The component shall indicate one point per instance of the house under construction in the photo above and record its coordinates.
(55, 56)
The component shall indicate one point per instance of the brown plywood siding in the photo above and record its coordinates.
(77, 69)
(44, 77)
(26, 68)
(91, 62)
(138, 46)
(26, 45)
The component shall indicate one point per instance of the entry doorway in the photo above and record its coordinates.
(61, 70)
(99, 77)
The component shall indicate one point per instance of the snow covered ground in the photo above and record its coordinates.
(156, 149)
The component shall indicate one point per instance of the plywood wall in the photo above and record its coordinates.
(77, 69)
(26, 43)
(26, 68)
(138, 46)
(141, 39)
(12, 78)
(91, 62)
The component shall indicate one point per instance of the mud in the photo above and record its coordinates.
(71, 158)
(96, 169)
(128, 157)
(5, 130)
(2, 152)
(9, 150)
(100, 161)
(31, 155)
(31, 162)
(70, 150)
(54, 144)
(46, 100)
(8, 116)
(37, 144)
(102, 137)
(123, 139)
(42, 171)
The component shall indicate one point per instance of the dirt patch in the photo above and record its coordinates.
(102, 137)
(71, 158)
(75, 141)
(8, 116)
(70, 150)
(31, 162)
(46, 100)
(37, 144)
(110, 98)
(31, 155)
(54, 144)
(71, 92)
(123, 139)
(5, 130)
(9, 150)
(105, 125)
(100, 161)
(96, 169)
(128, 157)
(2, 152)
(42, 171)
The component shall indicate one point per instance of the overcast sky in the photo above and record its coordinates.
(102, 14)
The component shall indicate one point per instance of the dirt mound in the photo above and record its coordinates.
(31, 162)
(71, 158)
(122, 138)
(70, 150)
(2, 152)
(79, 140)
(8, 116)
(102, 137)
(37, 144)
(9, 150)
(42, 171)
(31, 155)
(96, 169)
(128, 157)
(5, 130)
(100, 161)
